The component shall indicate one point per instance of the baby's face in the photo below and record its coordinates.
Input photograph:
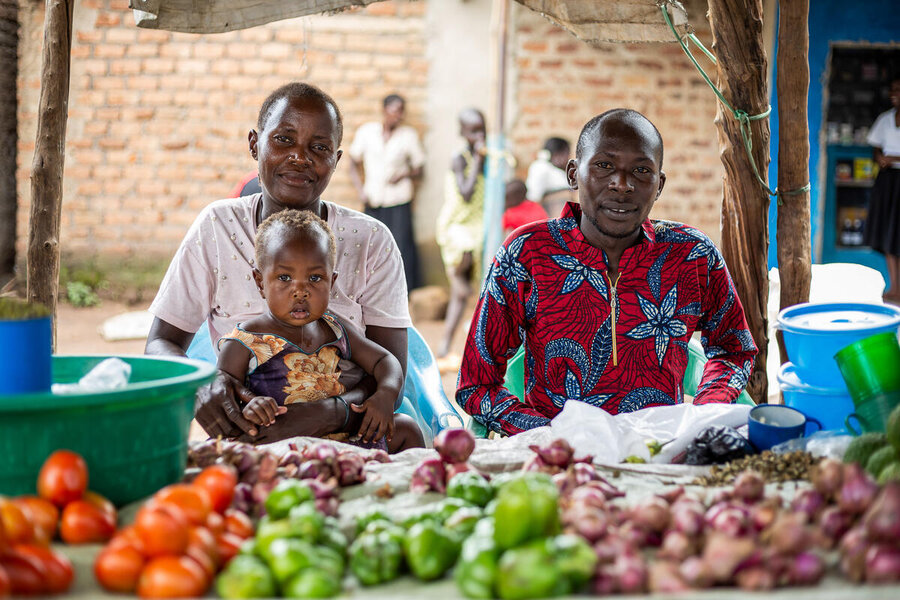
(296, 278)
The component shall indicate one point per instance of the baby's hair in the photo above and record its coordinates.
(299, 89)
(297, 223)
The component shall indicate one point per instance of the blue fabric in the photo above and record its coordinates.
(423, 393)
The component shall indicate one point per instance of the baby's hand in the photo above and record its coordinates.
(262, 410)
(379, 419)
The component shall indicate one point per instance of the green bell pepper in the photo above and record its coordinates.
(471, 487)
(334, 538)
(368, 516)
(246, 577)
(311, 583)
(288, 556)
(463, 521)
(527, 508)
(285, 496)
(576, 559)
(331, 561)
(530, 571)
(375, 558)
(476, 571)
(430, 550)
(307, 521)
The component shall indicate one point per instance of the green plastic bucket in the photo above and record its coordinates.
(872, 415)
(133, 439)
(871, 365)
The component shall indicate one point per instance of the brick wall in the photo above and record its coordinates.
(562, 82)
(158, 121)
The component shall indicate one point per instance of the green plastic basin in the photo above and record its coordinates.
(133, 439)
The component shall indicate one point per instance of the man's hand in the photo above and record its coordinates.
(378, 421)
(218, 410)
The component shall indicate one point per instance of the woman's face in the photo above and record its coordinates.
(297, 152)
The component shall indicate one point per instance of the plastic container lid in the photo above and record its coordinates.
(789, 380)
(837, 317)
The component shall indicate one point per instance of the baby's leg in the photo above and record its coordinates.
(406, 435)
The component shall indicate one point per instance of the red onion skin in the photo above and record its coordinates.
(653, 515)
(696, 573)
(328, 506)
(664, 578)
(687, 502)
(788, 534)
(809, 502)
(677, 546)
(883, 564)
(536, 463)
(853, 548)
(723, 554)
(806, 569)
(454, 445)
(557, 453)
(322, 452)
(755, 579)
(882, 520)
(827, 477)
(428, 476)
(731, 521)
(763, 516)
(858, 491)
(834, 523)
(672, 495)
(611, 547)
(588, 496)
(749, 486)
(686, 520)
(584, 473)
(605, 581)
(311, 469)
(634, 535)
(631, 572)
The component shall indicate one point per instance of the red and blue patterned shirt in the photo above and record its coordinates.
(620, 345)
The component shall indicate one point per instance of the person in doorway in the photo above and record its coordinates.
(519, 210)
(604, 299)
(546, 181)
(386, 159)
(460, 229)
(882, 231)
(296, 144)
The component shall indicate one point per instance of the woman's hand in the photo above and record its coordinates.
(218, 410)
(378, 420)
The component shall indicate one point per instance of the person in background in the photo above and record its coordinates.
(296, 144)
(290, 353)
(519, 210)
(386, 159)
(546, 181)
(883, 222)
(604, 299)
(460, 228)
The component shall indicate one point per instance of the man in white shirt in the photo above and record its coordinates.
(385, 160)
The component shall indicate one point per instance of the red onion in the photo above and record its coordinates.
(834, 523)
(853, 547)
(672, 495)
(328, 506)
(429, 476)
(608, 489)
(806, 569)
(652, 515)
(664, 577)
(583, 473)
(557, 453)
(808, 502)
(323, 489)
(455, 445)
(688, 502)
(788, 534)
(611, 547)
(883, 564)
(631, 572)
(763, 515)
(749, 486)
(536, 463)
(724, 553)
(350, 467)
(687, 520)
(858, 490)
(882, 520)
(696, 572)
(755, 578)
(591, 525)
(379, 456)
(827, 477)
(321, 451)
(731, 521)
(312, 469)
(588, 496)
(605, 582)
(291, 457)
(455, 469)
(677, 546)
(635, 535)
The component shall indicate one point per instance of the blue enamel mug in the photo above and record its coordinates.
(771, 424)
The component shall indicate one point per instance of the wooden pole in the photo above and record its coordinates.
(49, 157)
(737, 33)
(793, 229)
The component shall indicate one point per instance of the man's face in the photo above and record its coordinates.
(297, 151)
(393, 114)
(618, 179)
(895, 93)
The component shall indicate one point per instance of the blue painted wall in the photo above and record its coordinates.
(872, 21)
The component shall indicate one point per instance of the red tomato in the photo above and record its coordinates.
(201, 537)
(63, 478)
(5, 585)
(4, 541)
(118, 568)
(16, 523)
(172, 577)
(102, 503)
(193, 501)
(127, 537)
(44, 515)
(216, 524)
(26, 574)
(84, 523)
(163, 529)
(218, 481)
(203, 560)
(59, 571)
(238, 523)
(228, 544)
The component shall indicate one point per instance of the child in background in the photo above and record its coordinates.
(291, 352)
(520, 211)
(460, 229)
(547, 182)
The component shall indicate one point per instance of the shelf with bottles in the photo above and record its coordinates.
(859, 171)
(851, 222)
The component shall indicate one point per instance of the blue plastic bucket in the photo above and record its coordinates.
(813, 334)
(830, 406)
(25, 366)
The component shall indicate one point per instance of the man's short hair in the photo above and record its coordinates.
(298, 223)
(590, 128)
(391, 98)
(299, 89)
(556, 144)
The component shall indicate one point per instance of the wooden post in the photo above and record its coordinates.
(793, 232)
(49, 157)
(737, 33)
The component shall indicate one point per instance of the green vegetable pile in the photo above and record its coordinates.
(879, 453)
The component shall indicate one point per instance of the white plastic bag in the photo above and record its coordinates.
(110, 374)
(610, 439)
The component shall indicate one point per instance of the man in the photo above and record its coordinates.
(604, 299)
(385, 159)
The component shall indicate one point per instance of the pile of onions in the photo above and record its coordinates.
(454, 447)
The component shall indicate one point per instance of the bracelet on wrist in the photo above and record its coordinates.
(346, 412)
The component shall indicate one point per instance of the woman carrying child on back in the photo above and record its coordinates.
(290, 353)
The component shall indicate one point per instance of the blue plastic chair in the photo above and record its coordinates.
(423, 394)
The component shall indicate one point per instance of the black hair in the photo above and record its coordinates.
(517, 186)
(391, 98)
(470, 114)
(299, 89)
(591, 127)
(297, 223)
(556, 144)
